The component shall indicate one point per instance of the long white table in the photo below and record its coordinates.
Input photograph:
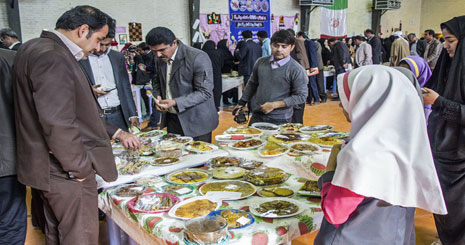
(233, 82)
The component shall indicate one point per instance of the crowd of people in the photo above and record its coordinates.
(65, 94)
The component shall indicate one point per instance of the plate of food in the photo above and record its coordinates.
(194, 207)
(164, 161)
(272, 149)
(304, 147)
(286, 138)
(246, 164)
(178, 190)
(290, 127)
(228, 172)
(244, 130)
(266, 127)
(188, 176)
(266, 176)
(275, 191)
(129, 190)
(246, 144)
(146, 147)
(326, 142)
(237, 219)
(309, 188)
(151, 134)
(200, 147)
(224, 139)
(182, 139)
(315, 129)
(335, 134)
(152, 203)
(245, 188)
(132, 166)
(276, 207)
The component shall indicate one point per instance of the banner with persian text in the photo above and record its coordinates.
(253, 15)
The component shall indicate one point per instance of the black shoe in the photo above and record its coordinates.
(323, 100)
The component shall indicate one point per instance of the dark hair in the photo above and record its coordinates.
(301, 33)
(283, 36)
(8, 32)
(111, 28)
(84, 15)
(430, 32)
(411, 34)
(291, 31)
(360, 38)
(331, 40)
(246, 34)
(143, 46)
(369, 31)
(160, 35)
(262, 34)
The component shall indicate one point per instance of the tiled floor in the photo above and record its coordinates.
(327, 113)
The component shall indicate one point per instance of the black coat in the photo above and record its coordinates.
(376, 48)
(341, 55)
(247, 55)
(228, 59)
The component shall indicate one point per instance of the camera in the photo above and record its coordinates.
(240, 117)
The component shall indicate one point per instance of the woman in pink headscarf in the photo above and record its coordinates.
(422, 72)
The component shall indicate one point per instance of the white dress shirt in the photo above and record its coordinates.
(103, 75)
(169, 67)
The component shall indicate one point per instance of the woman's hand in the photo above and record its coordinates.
(429, 96)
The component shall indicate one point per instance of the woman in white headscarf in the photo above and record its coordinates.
(385, 170)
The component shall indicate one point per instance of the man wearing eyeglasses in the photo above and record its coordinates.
(183, 86)
(106, 70)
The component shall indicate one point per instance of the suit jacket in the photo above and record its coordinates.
(7, 130)
(310, 48)
(191, 87)
(16, 47)
(341, 55)
(122, 83)
(56, 111)
(247, 55)
(376, 48)
(363, 55)
(319, 55)
(300, 54)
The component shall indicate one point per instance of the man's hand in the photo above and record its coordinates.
(157, 105)
(236, 109)
(268, 107)
(165, 104)
(134, 121)
(130, 141)
(97, 91)
(142, 67)
(314, 69)
(429, 96)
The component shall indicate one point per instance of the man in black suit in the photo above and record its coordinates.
(417, 46)
(9, 39)
(375, 46)
(106, 70)
(247, 54)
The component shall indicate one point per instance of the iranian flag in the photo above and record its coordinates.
(333, 21)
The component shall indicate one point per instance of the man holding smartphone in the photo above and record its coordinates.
(106, 70)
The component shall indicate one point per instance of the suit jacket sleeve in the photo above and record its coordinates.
(55, 99)
(301, 54)
(124, 80)
(202, 84)
(312, 55)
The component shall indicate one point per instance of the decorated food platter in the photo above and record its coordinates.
(276, 207)
(194, 207)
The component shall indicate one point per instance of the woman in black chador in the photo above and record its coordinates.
(446, 129)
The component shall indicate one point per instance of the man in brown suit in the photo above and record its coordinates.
(62, 140)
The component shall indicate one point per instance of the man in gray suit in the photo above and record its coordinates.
(183, 86)
(107, 72)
